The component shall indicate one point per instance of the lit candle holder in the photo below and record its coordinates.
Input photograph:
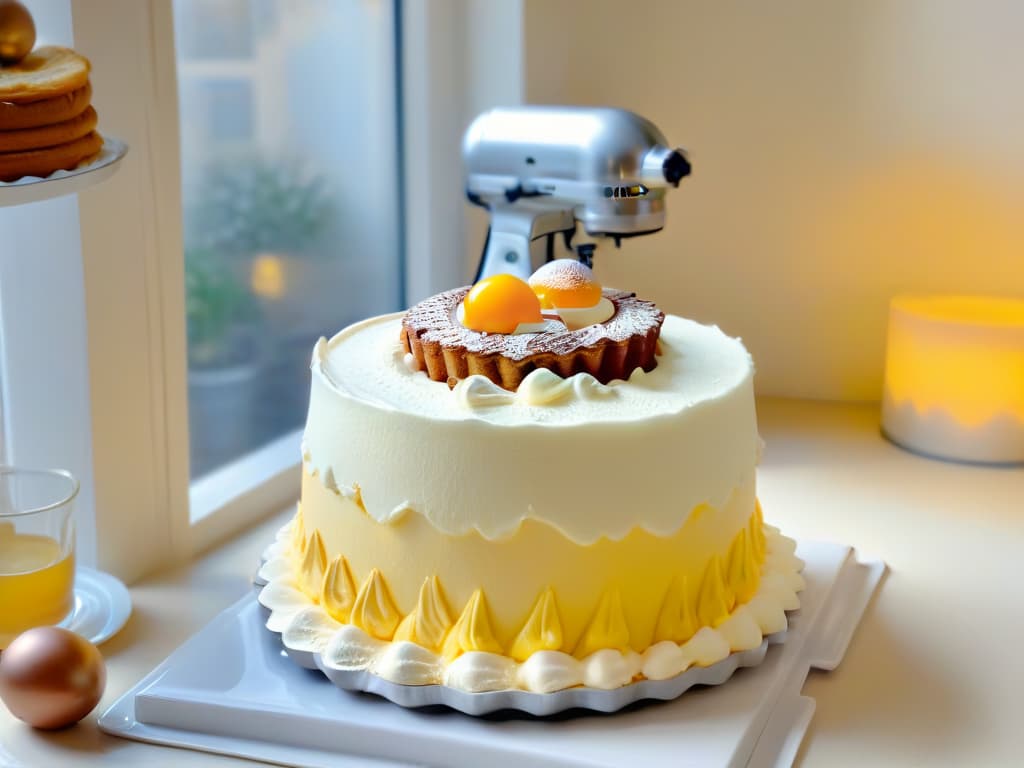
(954, 377)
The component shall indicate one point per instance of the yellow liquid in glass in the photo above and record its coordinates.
(36, 583)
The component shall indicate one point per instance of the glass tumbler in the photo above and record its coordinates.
(37, 548)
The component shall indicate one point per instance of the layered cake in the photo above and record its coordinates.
(532, 486)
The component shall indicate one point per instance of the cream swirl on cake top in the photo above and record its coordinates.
(541, 387)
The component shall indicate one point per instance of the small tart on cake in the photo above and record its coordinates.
(447, 350)
(504, 328)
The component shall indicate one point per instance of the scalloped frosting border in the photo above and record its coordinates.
(319, 610)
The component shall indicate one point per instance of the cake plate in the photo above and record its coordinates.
(306, 636)
(230, 689)
(31, 189)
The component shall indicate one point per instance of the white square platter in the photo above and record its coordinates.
(230, 689)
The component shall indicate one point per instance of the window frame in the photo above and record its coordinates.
(129, 436)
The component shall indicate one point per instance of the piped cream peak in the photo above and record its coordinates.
(542, 631)
(757, 534)
(472, 632)
(744, 573)
(374, 610)
(677, 620)
(715, 601)
(607, 627)
(430, 620)
(339, 593)
(314, 564)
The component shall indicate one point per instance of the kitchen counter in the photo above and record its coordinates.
(932, 676)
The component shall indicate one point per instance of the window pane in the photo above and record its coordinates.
(3, 429)
(290, 185)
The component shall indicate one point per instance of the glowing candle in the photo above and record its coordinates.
(267, 278)
(954, 377)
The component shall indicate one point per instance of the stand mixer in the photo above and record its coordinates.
(540, 170)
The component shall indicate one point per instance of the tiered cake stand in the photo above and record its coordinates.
(102, 604)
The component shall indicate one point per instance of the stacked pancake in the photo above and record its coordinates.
(46, 121)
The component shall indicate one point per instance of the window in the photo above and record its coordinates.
(95, 351)
(290, 198)
(3, 432)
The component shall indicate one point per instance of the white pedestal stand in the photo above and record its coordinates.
(44, 408)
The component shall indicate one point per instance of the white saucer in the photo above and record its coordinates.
(102, 606)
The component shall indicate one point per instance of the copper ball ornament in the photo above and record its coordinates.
(51, 678)
(17, 32)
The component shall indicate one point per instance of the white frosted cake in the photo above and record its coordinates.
(491, 523)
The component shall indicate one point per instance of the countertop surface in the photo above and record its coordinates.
(932, 677)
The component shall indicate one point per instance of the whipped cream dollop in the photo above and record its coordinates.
(305, 626)
(539, 387)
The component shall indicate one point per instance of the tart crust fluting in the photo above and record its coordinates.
(446, 350)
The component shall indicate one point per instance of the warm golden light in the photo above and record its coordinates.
(954, 377)
(267, 278)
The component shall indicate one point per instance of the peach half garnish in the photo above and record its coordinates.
(501, 304)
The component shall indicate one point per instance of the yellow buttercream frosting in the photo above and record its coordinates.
(677, 620)
(757, 537)
(338, 594)
(472, 632)
(744, 572)
(374, 611)
(686, 604)
(715, 601)
(314, 564)
(640, 565)
(607, 628)
(542, 631)
(430, 620)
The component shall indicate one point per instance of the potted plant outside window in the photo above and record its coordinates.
(253, 230)
(223, 360)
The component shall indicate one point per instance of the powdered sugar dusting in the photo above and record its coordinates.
(563, 275)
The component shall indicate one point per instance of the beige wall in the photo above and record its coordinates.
(843, 152)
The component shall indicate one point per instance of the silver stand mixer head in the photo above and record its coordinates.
(540, 170)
